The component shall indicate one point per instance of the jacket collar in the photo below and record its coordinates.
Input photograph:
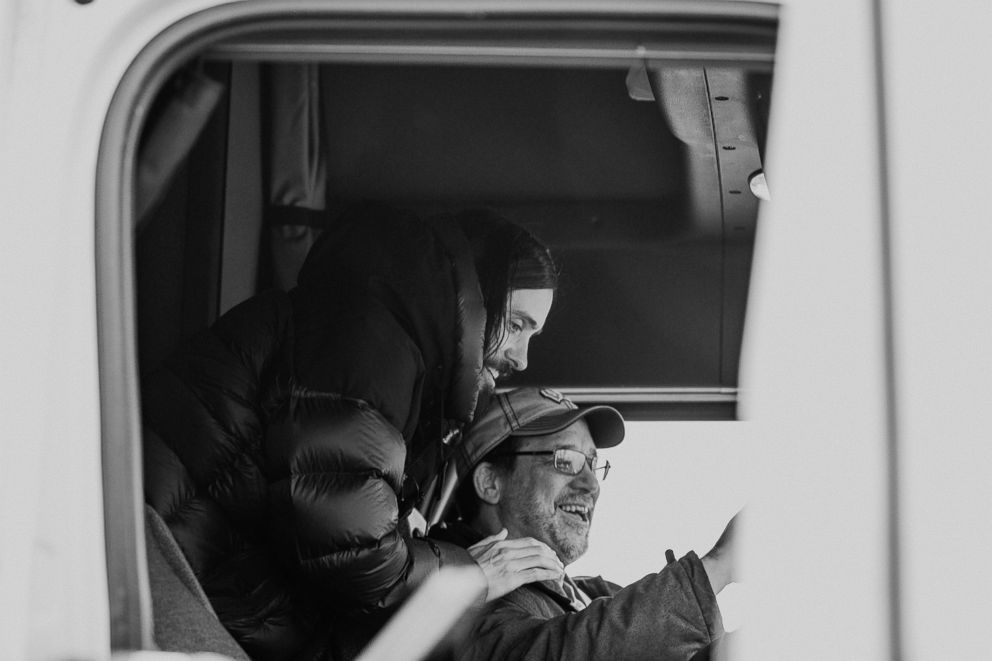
(463, 388)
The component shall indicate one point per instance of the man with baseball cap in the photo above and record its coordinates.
(529, 476)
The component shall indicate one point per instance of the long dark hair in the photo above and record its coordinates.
(507, 257)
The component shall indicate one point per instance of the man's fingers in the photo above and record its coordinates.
(524, 544)
(518, 559)
(515, 562)
(531, 556)
(503, 580)
(548, 571)
(498, 541)
(516, 555)
(510, 563)
(518, 579)
(534, 575)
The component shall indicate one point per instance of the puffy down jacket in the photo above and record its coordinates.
(284, 445)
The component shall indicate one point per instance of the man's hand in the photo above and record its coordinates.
(510, 563)
(719, 562)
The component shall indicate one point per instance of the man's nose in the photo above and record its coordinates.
(587, 480)
(516, 354)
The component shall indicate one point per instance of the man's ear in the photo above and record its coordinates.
(487, 483)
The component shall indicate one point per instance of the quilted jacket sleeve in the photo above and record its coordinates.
(203, 430)
(336, 467)
(336, 455)
(666, 616)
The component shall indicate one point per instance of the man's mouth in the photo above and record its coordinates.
(488, 379)
(498, 368)
(577, 510)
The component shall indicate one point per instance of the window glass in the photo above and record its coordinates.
(672, 485)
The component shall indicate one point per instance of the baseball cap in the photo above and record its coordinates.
(533, 412)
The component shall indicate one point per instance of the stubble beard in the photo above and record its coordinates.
(570, 544)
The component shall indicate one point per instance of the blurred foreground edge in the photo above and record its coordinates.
(433, 619)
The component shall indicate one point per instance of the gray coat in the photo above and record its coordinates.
(665, 616)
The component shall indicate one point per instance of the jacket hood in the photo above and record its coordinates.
(375, 262)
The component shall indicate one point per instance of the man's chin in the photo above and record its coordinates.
(570, 548)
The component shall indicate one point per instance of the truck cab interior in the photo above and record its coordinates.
(631, 142)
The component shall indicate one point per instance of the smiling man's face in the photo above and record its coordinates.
(538, 501)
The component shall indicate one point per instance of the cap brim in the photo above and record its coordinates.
(605, 424)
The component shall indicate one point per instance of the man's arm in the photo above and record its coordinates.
(665, 616)
(719, 562)
(335, 468)
(335, 459)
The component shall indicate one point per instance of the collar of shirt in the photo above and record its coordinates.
(575, 594)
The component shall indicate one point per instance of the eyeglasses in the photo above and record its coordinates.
(569, 461)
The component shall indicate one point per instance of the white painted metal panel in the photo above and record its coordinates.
(812, 378)
(938, 118)
(65, 60)
(672, 485)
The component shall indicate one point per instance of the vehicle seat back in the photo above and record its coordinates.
(184, 620)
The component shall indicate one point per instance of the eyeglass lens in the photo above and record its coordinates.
(570, 462)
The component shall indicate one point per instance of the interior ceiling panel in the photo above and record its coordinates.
(471, 133)
(644, 202)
